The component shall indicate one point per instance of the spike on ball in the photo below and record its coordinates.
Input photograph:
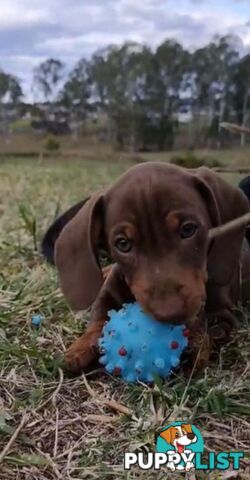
(186, 332)
(174, 345)
(122, 352)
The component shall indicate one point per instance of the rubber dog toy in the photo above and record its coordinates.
(36, 320)
(136, 347)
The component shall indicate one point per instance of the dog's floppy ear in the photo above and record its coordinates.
(76, 255)
(53, 232)
(224, 203)
(168, 435)
(187, 427)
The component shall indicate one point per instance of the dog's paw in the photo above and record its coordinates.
(81, 354)
(220, 325)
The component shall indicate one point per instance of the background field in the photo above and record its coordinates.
(69, 429)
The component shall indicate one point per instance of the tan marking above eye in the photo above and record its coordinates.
(123, 229)
(129, 231)
(173, 221)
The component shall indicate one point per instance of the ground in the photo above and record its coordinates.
(79, 428)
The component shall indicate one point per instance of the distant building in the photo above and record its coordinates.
(48, 118)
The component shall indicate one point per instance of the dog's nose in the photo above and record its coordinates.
(190, 436)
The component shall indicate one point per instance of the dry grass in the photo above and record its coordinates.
(67, 428)
(89, 147)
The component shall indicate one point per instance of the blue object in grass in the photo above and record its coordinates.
(36, 320)
(136, 347)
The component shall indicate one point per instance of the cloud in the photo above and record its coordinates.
(11, 18)
(88, 42)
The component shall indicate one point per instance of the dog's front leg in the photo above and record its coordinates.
(84, 350)
(220, 315)
(113, 294)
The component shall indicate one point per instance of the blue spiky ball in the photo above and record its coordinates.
(136, 347)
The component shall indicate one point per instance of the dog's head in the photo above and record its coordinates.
(154, 223)
(180, 437)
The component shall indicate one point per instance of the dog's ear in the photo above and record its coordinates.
(187, 427)
(53, 232)
(76, 254)
(168, 435)
(224, 203)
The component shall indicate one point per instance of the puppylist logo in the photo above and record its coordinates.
(180, 447)
(181, 442)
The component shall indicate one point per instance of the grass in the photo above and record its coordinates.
(68, 429)
(88, 145)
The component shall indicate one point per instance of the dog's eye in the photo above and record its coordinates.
(177, 434)
(188, 229)
(123, 244)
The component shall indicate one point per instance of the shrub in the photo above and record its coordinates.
(214, 163)
(190, 160)
(52, 144)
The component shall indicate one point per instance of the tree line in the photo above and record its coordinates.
(143, 92)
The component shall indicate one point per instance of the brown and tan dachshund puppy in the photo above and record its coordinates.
(153, 222)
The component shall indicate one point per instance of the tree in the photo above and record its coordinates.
(142, 91)
(242, 92)
(4, 85)
(15, 90)
(139, 90)
(10, 95)
(212, 71)
(172, 66)
(77, 89)
(10, 88)
(102, 76)
(117, 75)
(47, 77)
(76, 93)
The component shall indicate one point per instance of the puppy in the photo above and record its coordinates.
(153, 222)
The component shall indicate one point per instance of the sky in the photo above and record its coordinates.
(33, 30)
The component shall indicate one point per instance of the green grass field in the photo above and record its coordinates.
(68, 428)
